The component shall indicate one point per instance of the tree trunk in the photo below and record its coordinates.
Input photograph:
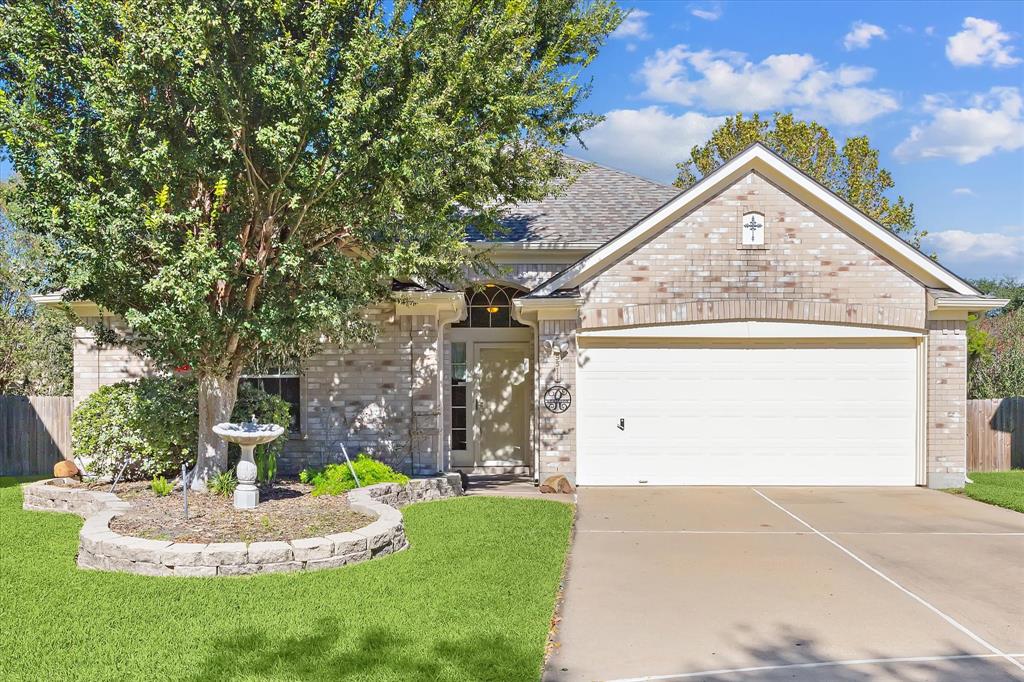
(216, 401)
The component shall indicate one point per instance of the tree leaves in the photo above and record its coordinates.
(236, 176)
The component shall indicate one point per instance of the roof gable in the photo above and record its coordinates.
(759, 158)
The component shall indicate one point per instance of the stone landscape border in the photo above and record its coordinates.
(102, 549)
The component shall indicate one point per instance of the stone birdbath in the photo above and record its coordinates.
(247, 435)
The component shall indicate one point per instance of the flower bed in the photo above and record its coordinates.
(100, 548)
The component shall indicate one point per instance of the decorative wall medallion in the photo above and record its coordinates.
(557, 399)
(752, 229)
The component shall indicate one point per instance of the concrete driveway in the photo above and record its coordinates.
(791, 584)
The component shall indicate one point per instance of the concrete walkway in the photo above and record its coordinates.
(506, 486)
(791, 584)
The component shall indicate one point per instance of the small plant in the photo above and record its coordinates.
(161, 486)
(335, 479)
(223, 484)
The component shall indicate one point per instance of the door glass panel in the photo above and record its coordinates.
(458, 406)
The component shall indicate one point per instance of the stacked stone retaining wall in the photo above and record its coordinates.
(102, 549)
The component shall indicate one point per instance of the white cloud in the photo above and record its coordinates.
(992, 122)
(861, 34)
(714, 13)
(649, 141)
(981, 42)
(727, 81)
(633, 26)
(929, 30)
(978, 254)
(964, 192)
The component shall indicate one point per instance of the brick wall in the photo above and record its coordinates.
(101, 365)
(379, 398)
(557, 432)
(947, 403)
(805, 258)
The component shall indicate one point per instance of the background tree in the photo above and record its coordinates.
(997, 369)
(852, 172)
(236, 177)
(1002, 287)
(35, 343)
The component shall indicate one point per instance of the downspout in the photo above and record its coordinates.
(517, 314)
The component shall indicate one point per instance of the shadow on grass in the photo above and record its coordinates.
(374, 654)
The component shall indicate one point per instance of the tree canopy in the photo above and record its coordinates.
(851, 171)
(235, 177)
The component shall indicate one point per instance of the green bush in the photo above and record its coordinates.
(160, 486)
(335, 479)
(153, 423)
(223, 483)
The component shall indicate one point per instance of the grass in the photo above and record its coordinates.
(1001, 488)
(472, 598)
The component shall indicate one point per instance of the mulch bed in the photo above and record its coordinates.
(286, 511)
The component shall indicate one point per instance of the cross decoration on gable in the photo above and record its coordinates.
(753, 229)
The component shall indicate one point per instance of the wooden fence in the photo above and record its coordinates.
(35, 433)
(995, 434)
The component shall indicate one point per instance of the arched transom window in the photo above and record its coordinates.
(490, 307)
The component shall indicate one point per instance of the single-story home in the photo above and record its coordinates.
(753, 329)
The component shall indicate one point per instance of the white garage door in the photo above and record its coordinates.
(755, 414)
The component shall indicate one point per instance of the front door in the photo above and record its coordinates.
(500, 418)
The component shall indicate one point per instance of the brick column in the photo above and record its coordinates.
(947, 403)
(557, 432)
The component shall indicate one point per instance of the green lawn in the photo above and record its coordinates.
(472, 598)
(1001, 488)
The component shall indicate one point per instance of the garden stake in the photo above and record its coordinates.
(351, 468)
(184, 487)
(118, 477)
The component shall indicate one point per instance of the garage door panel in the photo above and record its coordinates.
(746, 416)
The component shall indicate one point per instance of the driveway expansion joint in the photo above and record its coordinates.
(1012, 658)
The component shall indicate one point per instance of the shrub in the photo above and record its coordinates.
(160, 486)
(335, 479)
(223, 484)
(153, 423)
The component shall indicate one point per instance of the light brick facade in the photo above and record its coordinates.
(97, 364)
(947, 403)
(805, 258)
(809, 270)
(391, 397)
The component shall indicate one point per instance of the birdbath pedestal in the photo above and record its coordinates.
(247, 435)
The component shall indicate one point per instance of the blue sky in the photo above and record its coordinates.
(937, 87)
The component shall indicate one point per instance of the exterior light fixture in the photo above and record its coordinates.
(492, 309)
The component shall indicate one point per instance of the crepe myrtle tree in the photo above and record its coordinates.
(240, 178)
(851, 171)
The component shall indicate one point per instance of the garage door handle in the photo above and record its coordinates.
(622, 425)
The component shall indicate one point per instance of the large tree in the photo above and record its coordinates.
(238, 177)
(851, 171)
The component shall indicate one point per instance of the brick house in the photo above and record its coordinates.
(754, 329)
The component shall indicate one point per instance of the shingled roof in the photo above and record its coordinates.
(599, 205)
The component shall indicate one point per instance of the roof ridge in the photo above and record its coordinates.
(619, 171)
